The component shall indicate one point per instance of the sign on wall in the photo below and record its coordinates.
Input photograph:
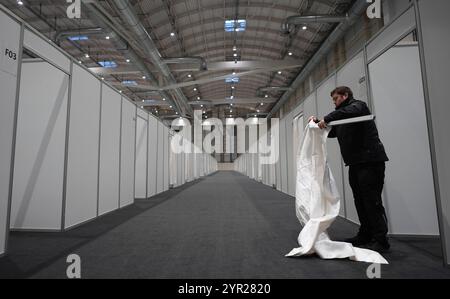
(9, 44)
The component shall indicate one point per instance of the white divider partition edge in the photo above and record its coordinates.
(83, 151)
(109, 164)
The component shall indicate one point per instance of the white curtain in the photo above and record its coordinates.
(317, 203)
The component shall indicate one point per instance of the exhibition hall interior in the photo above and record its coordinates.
(224, 139)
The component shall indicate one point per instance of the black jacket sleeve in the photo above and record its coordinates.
(355, 109)
(332, 133)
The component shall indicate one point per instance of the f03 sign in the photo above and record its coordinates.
(10, 54)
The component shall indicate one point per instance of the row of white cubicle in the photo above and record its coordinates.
(73, 147)
(387, 75)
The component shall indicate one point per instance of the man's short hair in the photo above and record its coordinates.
(343, 90)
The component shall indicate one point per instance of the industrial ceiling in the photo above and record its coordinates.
(230, 58)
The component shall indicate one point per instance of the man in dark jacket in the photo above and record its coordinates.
(364, 153)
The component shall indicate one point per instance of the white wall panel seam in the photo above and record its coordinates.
(120, 151)
(66, 149)
(99, 147)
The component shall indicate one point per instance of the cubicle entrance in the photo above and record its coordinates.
(40, 146)
(399, 105)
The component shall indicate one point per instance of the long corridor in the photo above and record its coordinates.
(221, 226)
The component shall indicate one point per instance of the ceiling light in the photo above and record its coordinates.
(103, 78)
(172, 34)
(304, 27)
(195, 89)
(107, 37)
(204, 111)
(262, 104)
(86, 55)
(20, 2)
(170, 106)
(189, 75)
(279, 72)
(128, 60)
(201, 106)
(198, 98)
(231, 104)
(206, 116)
(120, 91)
(234, 73)
(143, 101)
(234, 48)
(176, 112)
(142, 107)
(232, 87)
(164, 99)
(257, 111)
(266, 96)
(290, 53)
(143, 77)
(156, 111)
(79, 61)
(231, 111)
(235, 54)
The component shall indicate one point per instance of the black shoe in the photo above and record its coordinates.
(378, 246)
(358, 240)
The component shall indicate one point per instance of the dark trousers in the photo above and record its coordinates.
(366, 181)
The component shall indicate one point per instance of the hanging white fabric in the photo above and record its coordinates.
(317, 203)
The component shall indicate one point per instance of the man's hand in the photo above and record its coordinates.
(322, 124)
(312, 118)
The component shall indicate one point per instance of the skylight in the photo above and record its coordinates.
(232, 80)
(108, 64)
(78, 37)
(235, 25)
(129, 82)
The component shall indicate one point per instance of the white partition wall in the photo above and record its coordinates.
(45, 50)
(435, 40)
(180, 167)
(325, 106)
(283, 157)
(166, 159)
(352, 74)
(152, 155)
(173, 169)
(140, 183)
(160, 160)
(83, 151)
(40, 147)
(278, 170)
(9, 38)
(309, 107)
(290, 158)
(401, 120)
(127, 153)
(109, 166)
(297, 132)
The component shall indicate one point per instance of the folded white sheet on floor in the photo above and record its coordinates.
(317, 203)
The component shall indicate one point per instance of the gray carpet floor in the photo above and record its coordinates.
(221, 226)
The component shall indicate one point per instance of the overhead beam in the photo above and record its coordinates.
(212, 66)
